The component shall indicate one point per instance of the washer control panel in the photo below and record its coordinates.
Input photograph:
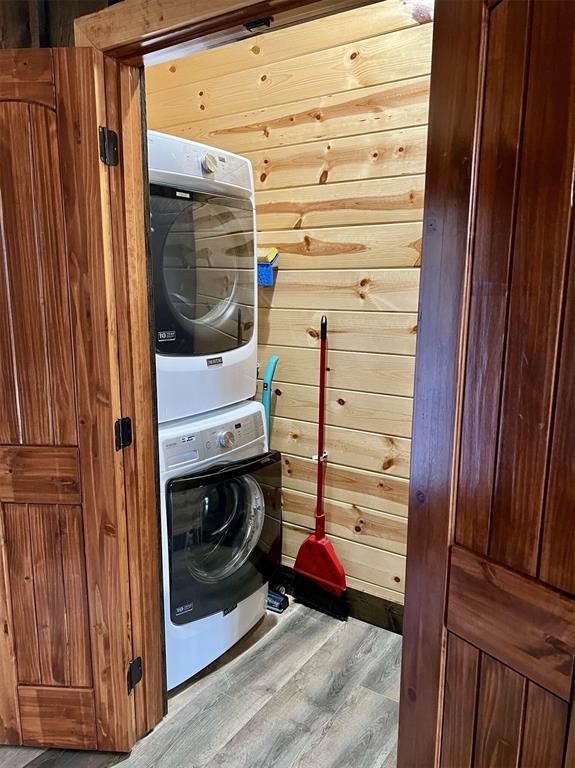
(198, 446)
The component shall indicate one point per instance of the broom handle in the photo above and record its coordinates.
(319, 513)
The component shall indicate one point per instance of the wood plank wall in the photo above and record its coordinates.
(333, 116)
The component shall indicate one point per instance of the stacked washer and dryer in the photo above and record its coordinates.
(220, 484)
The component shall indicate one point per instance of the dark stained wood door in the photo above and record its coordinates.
(489, 648)
(65, 603)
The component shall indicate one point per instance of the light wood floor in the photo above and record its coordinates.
(301, 691)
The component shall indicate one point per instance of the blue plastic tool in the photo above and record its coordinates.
(267, 391)
(266, 271)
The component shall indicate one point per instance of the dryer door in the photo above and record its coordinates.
(204, 271)
(224, 528)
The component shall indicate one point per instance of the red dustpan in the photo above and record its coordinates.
(316, 559)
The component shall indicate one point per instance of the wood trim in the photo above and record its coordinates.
(132, 29)
(80, 108)
(33, 474)
(123, 98)
(27, 76)
(57, 717)
(453, 106)
(522, 623)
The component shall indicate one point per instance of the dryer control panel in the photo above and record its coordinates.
(201, 445)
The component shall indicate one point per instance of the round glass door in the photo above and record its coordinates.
(204, 276)
(217, 527)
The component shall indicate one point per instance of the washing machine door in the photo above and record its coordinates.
(203, 257)
(224, 529)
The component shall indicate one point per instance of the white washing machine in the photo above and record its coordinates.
(202, 239)
(221, 533)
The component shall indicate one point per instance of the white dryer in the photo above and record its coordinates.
(221, 533)
(202, 239)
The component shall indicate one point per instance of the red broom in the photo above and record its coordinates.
(317, 563)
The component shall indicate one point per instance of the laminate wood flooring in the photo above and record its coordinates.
(302, 690)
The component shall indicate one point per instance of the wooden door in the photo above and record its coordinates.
(489, 646)
(65, 571)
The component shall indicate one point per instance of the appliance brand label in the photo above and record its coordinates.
(186, 608)
(183, 194)
(211, 361)
(166, 335)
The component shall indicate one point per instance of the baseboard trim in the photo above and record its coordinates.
(363, 606)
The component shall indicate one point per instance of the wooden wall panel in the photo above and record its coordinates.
(262, 50)
(371, 247)
(384, 290)
(388, 332)
(344, 408)
(387, 58)
(350, 113)
(368, 156)
(355, 486)
(364, 450)
(339, 166)
(370, 565)
(362, 372)
(374, 201)
(348, 521)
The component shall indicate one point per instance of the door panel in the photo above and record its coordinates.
(497, 190)
(546, 719)
(503, 633)
(496, 717)
(520, 621)
(536, 291)
(38, 405)
(557, 560)
(64, 587)
(43, 725)
(461, 680)
(499, 714)
(46, 571)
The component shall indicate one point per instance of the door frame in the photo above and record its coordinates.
(135, 32)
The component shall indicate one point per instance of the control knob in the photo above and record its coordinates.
(226, 439)
(209, 163)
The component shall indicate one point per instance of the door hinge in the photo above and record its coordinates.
(256, 26)
(134, 673)
(108, 146)
(123, 432)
